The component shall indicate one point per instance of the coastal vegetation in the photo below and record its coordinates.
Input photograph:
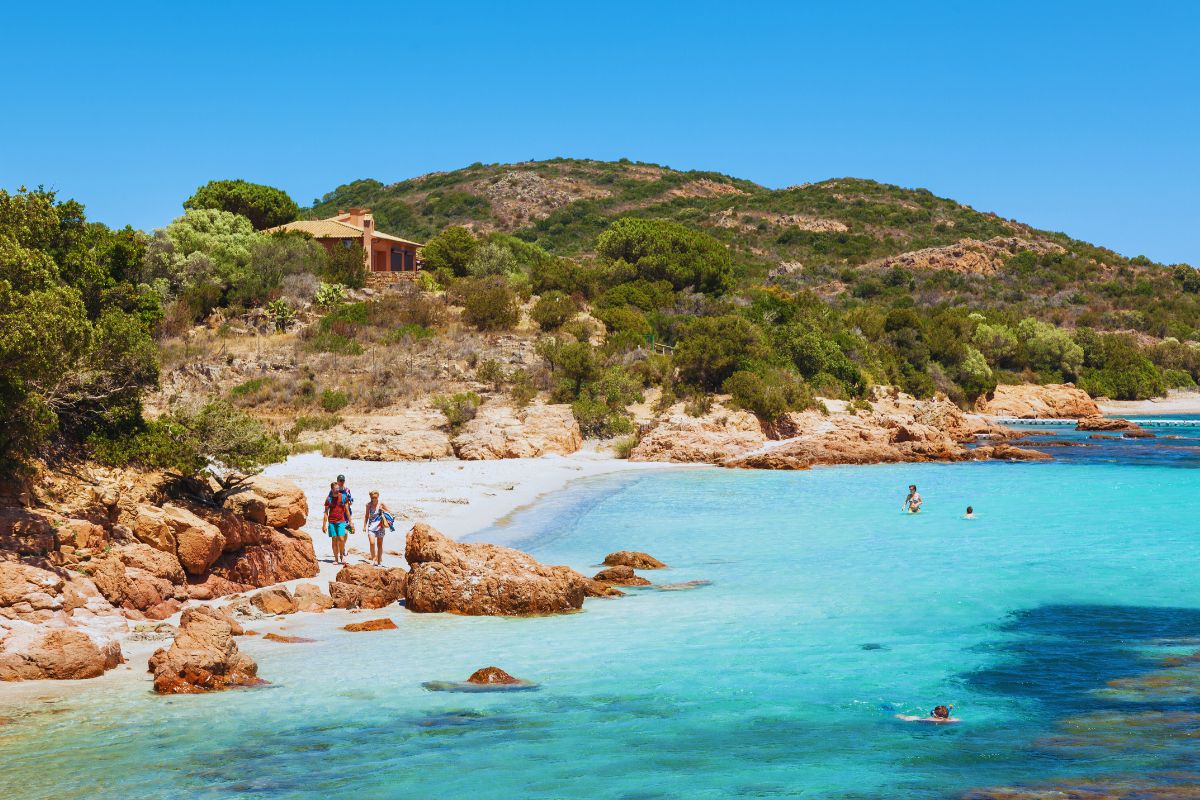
(615, 281)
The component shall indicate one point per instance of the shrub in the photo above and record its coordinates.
(492, 258)
(410, 331)
(597, 420)
(768, 394)
(333, 400)
(450, 251)
(713, 348)
(623, 447)
(333, 343)
(311, 422)
(661, 250)
(1050, 348)
(459, 409)
(347, 266)
(553, 310)
(489, 304)
(492, 373)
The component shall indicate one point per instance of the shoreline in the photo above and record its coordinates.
(1176, 402)
(456, 497)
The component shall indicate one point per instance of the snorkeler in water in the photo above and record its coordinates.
(939, 715)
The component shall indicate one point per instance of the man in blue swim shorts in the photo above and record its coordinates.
(336, 520)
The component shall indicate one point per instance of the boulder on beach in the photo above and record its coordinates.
(484, 579)
(275, 600)
(620, 576)
(275, 502)
(381, 624)
(37, 652)
(368, 586)
(633, 559)
(203, 658)
(309, 597)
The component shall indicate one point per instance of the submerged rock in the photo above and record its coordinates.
(381, 624)
(203, 657)
(620, 576)
(683, 586)
(487, 679)
(1098, 423)
(285, 639)
(633, 559)
(484, 579)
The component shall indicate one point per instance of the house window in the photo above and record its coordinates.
(397, 260)
(347, 243)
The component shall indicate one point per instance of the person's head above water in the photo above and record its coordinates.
(970, 510)
(912, 487)
(941, 712)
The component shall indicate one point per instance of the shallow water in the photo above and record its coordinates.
(829, 612)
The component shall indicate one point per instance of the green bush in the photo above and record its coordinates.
(333, 400)
(769, 394)
(661, 250)
(410, 331)
(311, 422)
(553, 310)
(450, 252)
(459, 409)
(347, 266)
(713, 348)
(333, 343)
(330, 294)
(489, 304)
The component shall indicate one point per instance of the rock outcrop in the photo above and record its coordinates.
(875, 437)
(717, 436)
(59, 653)
(366, 586)
(484, 579)
(203, 658)
(970, 256)
(635, 559)
(1031, 401)
(500, 431)
(271, 501)
(1106, 424)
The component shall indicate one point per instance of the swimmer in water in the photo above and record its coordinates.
(970, 513)
(912, 503)
(939, 715)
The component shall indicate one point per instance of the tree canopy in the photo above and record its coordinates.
(264, 206)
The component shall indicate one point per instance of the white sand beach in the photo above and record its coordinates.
(1182, 401)
(455, 497)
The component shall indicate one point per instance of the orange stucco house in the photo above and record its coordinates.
(383, 252)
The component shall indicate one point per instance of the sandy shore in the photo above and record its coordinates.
(455, 497)
(1176, 402)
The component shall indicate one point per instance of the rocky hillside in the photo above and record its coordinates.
(801, 235)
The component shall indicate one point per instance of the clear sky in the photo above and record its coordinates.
(1075, 116)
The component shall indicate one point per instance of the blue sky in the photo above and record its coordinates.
(1080, 117)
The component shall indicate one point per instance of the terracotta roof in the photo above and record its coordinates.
(391, 238)
(334, 229)
(320, 228)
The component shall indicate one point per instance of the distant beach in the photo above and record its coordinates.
(1177, 402)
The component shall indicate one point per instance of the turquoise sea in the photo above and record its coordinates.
(1058, 623)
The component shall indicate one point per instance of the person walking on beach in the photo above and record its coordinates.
(376, 522)
(336, 520)
(912, 503)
